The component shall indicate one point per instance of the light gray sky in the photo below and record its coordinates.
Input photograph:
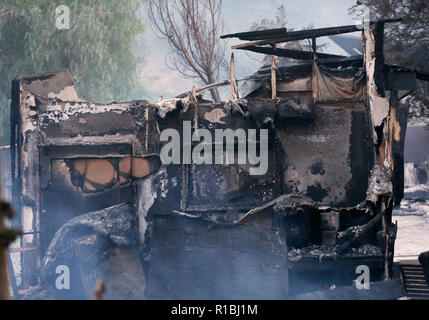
(238, 16)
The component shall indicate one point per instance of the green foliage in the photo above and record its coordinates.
(99, 48)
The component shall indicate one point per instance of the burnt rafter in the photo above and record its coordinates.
(273, 36)
(289, 53)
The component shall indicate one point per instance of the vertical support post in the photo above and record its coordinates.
(273, 79)
(382, 118)
(146, 117)
(314, 48)
(193, 98)
(379, 58)
(385, 231)
(29, 198)
(234, 89)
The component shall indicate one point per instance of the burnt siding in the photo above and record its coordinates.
(192, 259)
(329, 158)
(361, 158)
(81, 130)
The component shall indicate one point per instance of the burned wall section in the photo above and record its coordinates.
(388, 122)
(221, 187)
(71, 157)
(197, 248)
(328, 159)
(311, 147)
(327, 151)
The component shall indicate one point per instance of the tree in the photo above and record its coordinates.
(280, 21)
(406, 43)
(192, 29)
(98, 48)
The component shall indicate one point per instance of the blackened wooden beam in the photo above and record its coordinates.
(289, 53)
(350, 237)
(278, 37)
(257, 35)
(379, 58)
(314, 48)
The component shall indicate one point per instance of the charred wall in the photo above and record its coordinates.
(71, 157)
(197, 259)
(329, 158)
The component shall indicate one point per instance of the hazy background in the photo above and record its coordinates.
(238, 15)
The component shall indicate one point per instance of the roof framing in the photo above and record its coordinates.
(274, 36)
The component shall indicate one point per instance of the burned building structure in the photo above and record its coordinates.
(92, 193)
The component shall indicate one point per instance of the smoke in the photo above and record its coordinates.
(84, 245)
(192, 258)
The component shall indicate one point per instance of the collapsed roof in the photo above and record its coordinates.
(266, 42)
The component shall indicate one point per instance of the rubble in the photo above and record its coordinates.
(352, 230)
(169, 105)
(294, 204)
(329, 252)
(86, 245)
(313, 251)
(365, 250)
(379, 184)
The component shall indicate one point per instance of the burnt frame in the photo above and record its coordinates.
(48, 153)
(274, 148)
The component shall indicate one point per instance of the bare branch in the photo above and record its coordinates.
(192, 29)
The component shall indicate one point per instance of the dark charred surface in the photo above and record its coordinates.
(316, 192)
(317, 168)
(360, 157)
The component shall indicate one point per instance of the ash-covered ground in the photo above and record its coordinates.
(413, 223)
